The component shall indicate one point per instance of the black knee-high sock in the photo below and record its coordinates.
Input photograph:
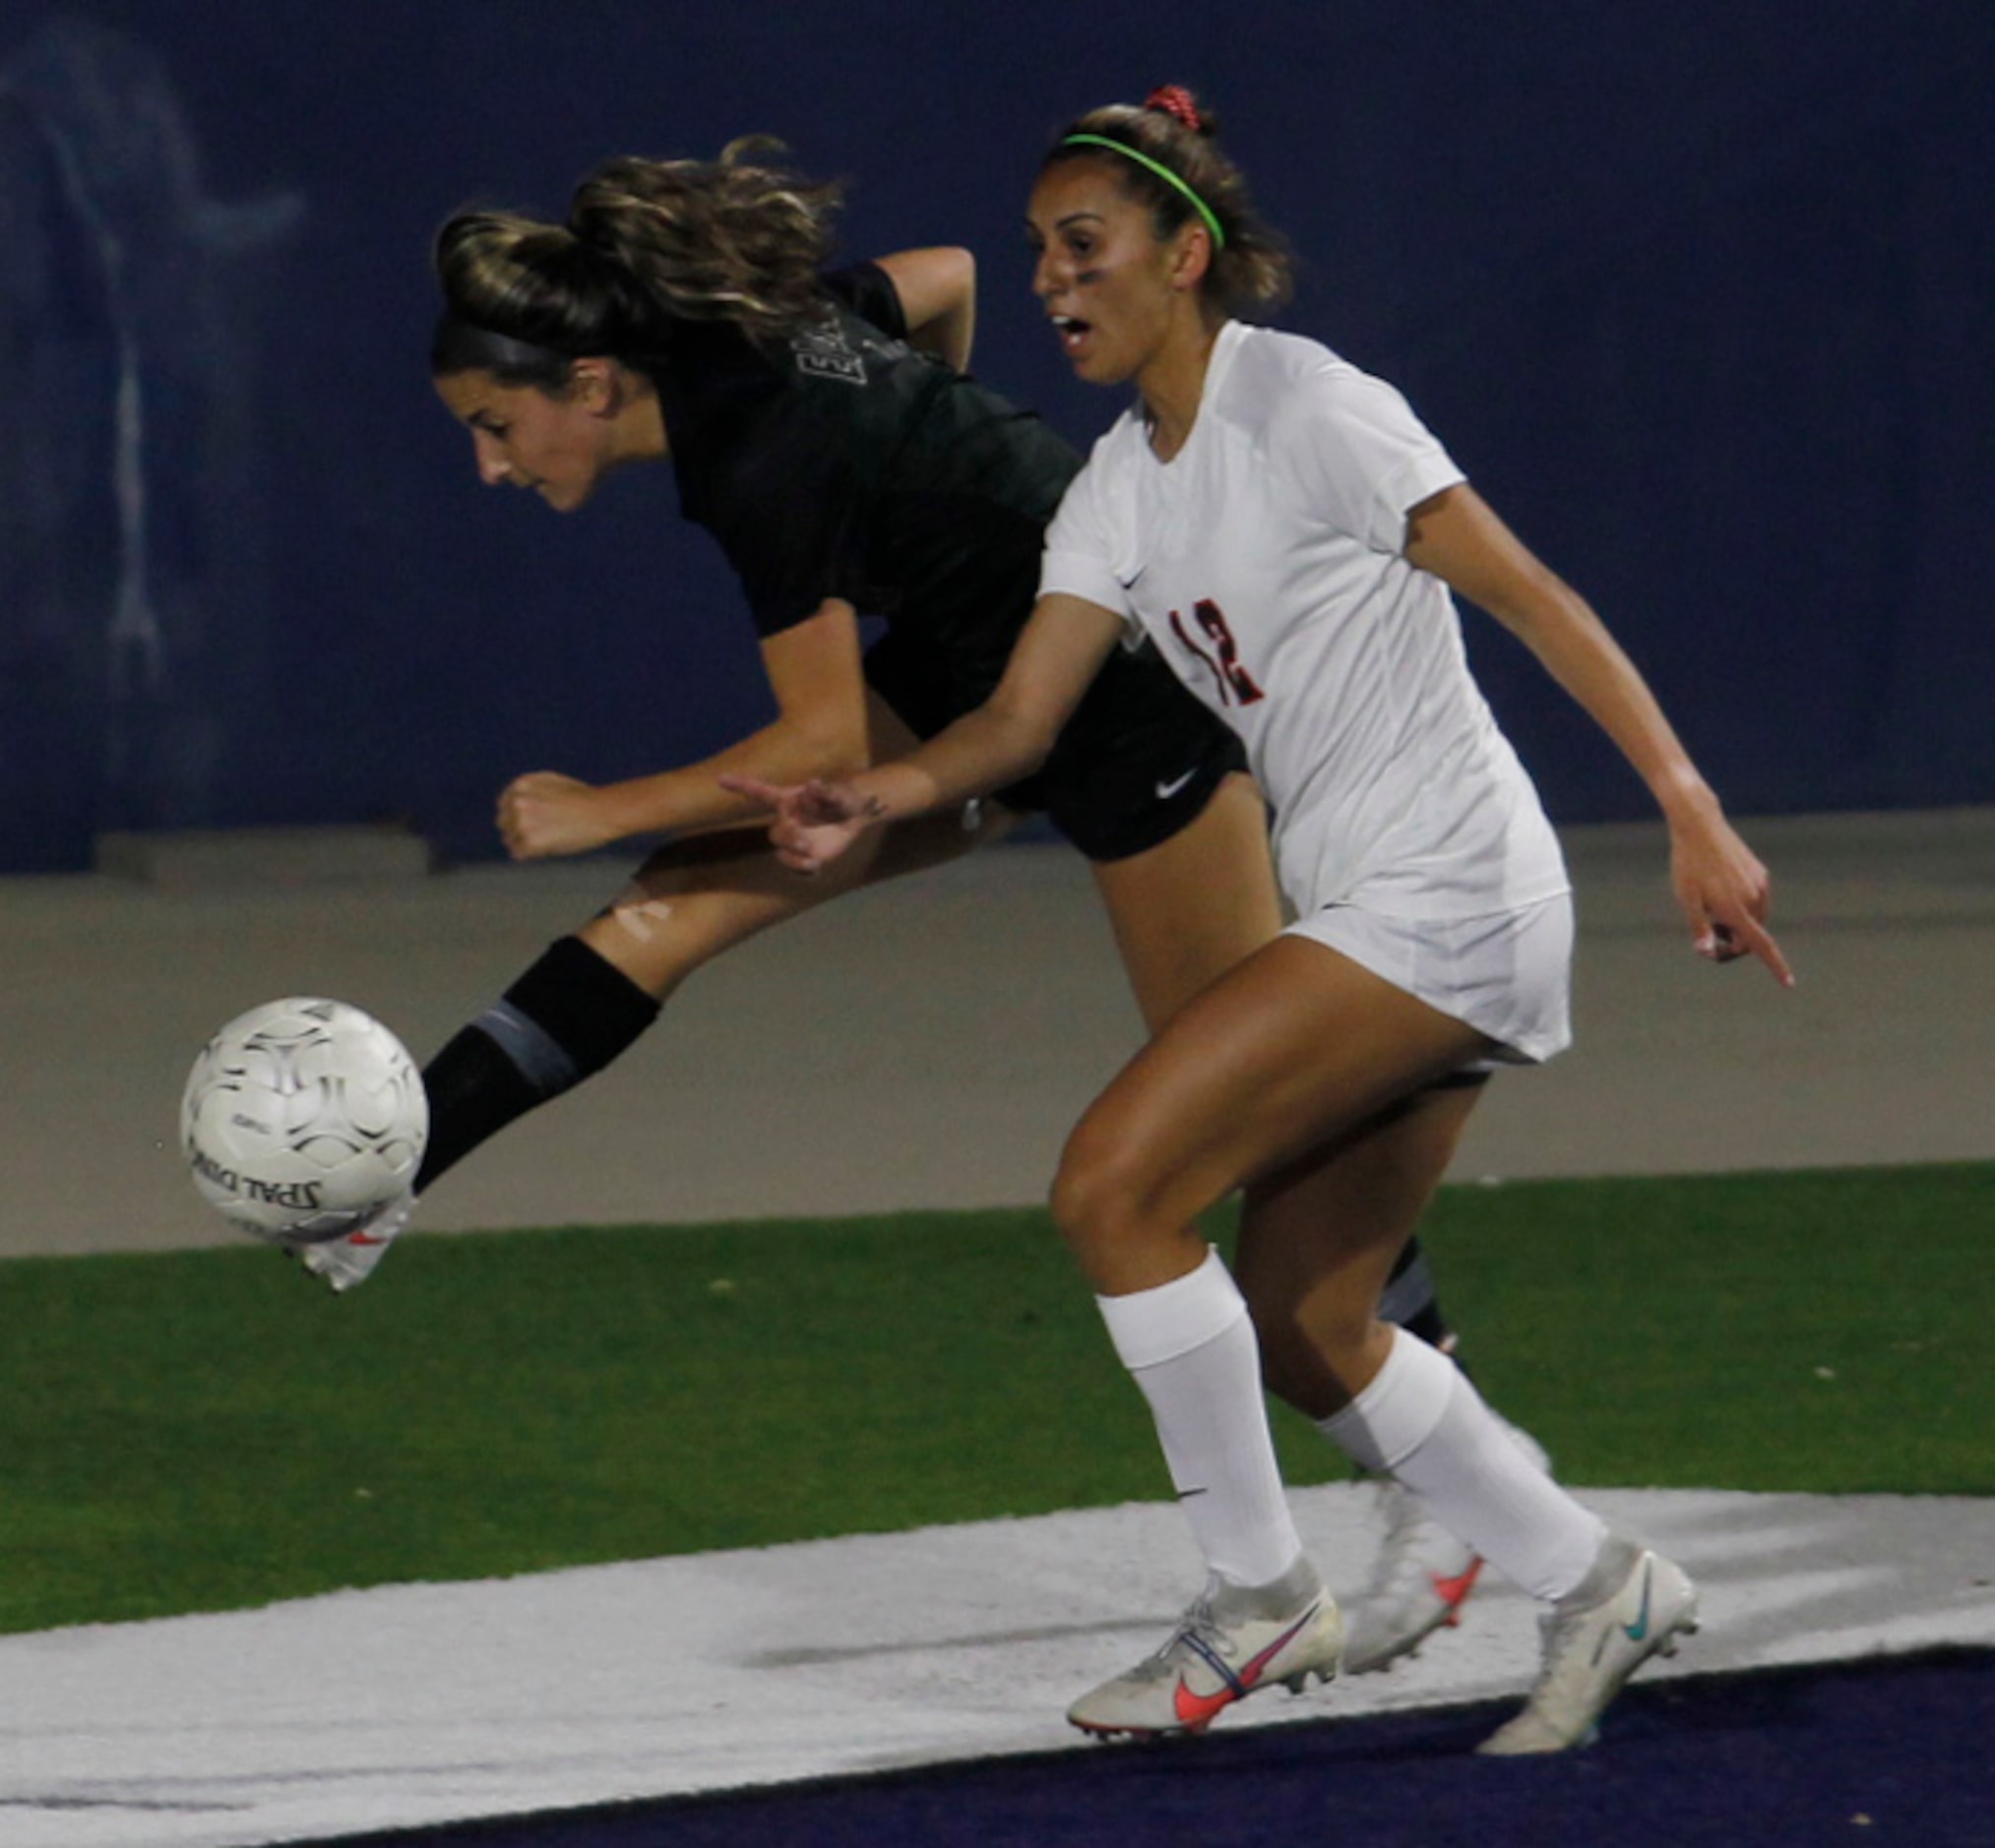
(1410, 1302)
(562, 1021)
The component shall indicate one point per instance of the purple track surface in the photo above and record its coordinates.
(1882, 1752)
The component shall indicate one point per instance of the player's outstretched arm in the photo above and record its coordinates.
(937, 287)
(1721, 888)
(819, 730)
(1058, 653)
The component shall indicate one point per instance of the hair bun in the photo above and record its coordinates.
(1175, 100)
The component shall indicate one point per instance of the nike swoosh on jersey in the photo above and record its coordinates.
(1164, 791)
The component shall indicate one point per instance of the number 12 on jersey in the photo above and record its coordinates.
(1237, 687)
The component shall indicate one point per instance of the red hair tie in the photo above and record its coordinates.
(1174, 99)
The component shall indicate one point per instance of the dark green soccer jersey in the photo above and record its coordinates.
(843, 463)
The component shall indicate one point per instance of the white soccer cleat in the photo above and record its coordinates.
(1234, 1639)
(349, 1260)
(1591, 1648)
(1421, 1580)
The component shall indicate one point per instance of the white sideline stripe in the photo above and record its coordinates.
(421, 1705)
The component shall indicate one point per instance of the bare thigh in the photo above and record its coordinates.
(702, 895)
(1292, 1049)
(1190, 908)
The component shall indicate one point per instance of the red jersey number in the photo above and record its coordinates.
(1237, 687)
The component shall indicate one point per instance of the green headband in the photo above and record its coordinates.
(1161, 171)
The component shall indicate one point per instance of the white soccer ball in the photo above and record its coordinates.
(301, 1118)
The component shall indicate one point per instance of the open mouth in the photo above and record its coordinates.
(1073, 332)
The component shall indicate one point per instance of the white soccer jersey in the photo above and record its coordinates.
(1265, 560)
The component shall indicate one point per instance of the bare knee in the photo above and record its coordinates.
(1091, 1199)
(1113, 1210)
(681, 911)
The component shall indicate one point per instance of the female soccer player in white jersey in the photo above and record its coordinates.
(681, 315)
(1286, 533)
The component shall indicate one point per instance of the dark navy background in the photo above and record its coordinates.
(1698, 295)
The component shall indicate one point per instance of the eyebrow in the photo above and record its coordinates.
(1071, 218)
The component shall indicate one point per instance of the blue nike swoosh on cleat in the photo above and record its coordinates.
(1639, 1628)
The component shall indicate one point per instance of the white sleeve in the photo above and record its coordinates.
(1080, 555)
(1351, 448)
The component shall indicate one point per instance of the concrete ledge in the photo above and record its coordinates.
(264, 856)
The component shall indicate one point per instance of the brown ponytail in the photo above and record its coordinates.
(648, 243)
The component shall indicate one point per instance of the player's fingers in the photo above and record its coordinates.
(816, 802)
(1728, 941)
(1758, 940)
(754, 789)
(1696, 920)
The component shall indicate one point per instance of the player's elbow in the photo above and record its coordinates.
(963, 275)
(952, 280)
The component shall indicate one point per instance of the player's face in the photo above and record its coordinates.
(560, 447)
(1102, 271)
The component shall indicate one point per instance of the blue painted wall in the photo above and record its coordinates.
(1699, 294)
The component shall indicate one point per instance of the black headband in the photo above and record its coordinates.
(461, 346)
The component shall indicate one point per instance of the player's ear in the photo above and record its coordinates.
(595, 385)
(1193, 258)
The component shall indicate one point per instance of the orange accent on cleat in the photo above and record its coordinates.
(1197, 1711)
(1454, 1592)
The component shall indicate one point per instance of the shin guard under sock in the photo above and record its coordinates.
(1189, 1348)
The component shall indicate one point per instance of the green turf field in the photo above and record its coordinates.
(207, 1429)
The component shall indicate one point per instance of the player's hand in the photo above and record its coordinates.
(1724, 893)
(812, 824)
(544, 814)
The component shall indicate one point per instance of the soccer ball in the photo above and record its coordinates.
(302, 1118)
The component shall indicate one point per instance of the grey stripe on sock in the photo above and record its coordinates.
(542, 1061)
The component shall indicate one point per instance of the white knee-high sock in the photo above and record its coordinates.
(1191, 1348)
(1424, 1421)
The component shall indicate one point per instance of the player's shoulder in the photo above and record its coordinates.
(1274, 377)
(1309, 408)
(867, 290)
(1116, 449)
(841, 351)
